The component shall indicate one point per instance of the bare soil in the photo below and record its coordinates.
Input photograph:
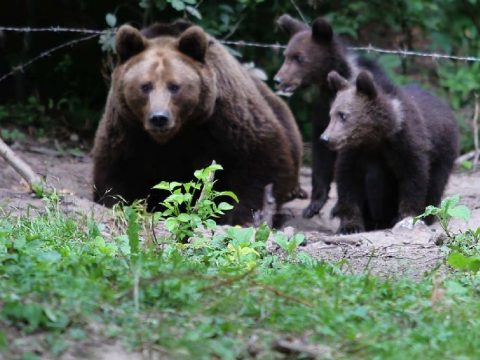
(387, 253)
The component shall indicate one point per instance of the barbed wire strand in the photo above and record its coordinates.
(46, 53)
(96, 33)
(369, 48)
(58, 29)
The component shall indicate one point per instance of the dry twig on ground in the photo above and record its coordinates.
(27, 173)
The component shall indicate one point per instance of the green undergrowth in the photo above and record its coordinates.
(66, 280)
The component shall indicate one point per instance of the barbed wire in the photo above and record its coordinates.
(46, 53)
(369, 48)
(95, 33)
(53, 29)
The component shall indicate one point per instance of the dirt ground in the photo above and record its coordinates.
(386, 253)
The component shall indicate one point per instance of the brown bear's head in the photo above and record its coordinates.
(163, 83)
(309, 56)
(360, 115)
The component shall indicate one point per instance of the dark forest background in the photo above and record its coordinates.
(64, 93)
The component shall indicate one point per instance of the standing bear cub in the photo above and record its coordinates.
(311, 53)
(179, 100)
(395, 151)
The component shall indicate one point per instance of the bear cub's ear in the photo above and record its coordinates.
(366, 85)
(290, 25)
(336, 82)
(193, 43)
(322, 32)
(129, 42)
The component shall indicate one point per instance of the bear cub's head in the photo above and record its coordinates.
(361, 114)
(163, 84)
(309, 55)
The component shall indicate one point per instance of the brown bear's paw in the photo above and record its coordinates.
(350, 226)
(313, 208)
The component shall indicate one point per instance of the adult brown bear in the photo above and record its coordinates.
(179, 100)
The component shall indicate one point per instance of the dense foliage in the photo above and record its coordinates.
(75, 98)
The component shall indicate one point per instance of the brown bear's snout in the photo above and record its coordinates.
(160, 120)
(277, 80)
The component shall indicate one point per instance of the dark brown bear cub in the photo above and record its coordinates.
(310, 55)
(395, 152)
(178, 101)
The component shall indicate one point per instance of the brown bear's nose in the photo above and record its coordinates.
(159, 119)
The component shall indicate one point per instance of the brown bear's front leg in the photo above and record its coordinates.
(350, 175)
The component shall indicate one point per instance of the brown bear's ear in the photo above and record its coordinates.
(193, 43)
(129, 42)
(365, 85)
(336, 82)
(290, 25)
(322, 31)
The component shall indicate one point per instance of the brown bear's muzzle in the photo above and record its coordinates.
(160, 121)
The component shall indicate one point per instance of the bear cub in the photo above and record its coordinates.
(395, 151)
(311, 53)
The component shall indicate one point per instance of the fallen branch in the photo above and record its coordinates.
(465, 157)
(27, 173)
(296, 347)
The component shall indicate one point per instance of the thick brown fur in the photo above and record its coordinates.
(311, 54)
(181, 102)
(395, 151)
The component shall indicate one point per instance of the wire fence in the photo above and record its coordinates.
(93, 33)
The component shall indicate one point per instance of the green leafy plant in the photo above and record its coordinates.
(289, 245)
(193, 205)
(448, 210)
(463, 247)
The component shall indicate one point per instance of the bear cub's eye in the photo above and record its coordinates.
(343, 116)
(173, 88)
(147, 87)
(298, 58)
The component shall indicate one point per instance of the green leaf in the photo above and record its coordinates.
(171, 224)
(194, 12)
(111, 20)
(462, 262)
(449, 202)
(460, 212)
(229, 194)
(133, 230)
(223, 206)
(49, 256)
(262, 233)
(177, 4)
(162, 186)
(184, 217)
(3, 341)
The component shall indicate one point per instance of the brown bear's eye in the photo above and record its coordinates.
(173, 88)
(343, 116)
(147, 87)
